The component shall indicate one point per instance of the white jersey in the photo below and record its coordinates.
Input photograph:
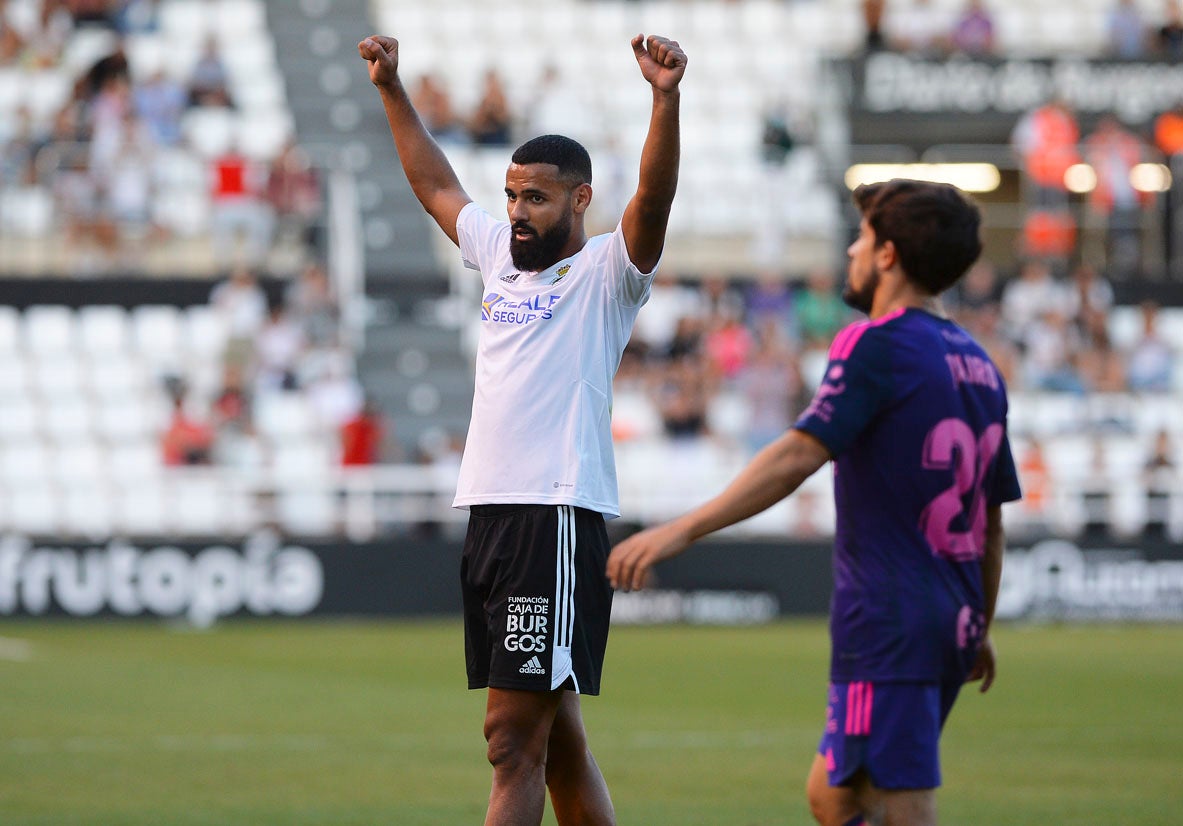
(549, 346)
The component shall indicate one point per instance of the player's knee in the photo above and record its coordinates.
(830, 806)
(513, 750)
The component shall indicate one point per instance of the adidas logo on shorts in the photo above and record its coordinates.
(532, 666)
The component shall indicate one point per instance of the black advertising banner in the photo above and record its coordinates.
(720, 582)
(920, 102)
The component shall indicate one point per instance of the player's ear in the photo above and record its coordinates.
(886, 256)
(582, 198)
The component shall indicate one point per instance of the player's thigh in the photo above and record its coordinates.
(831, 805)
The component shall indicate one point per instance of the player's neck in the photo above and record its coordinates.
(896, 293)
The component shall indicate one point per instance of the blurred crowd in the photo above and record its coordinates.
(282, 343)
(113, 147)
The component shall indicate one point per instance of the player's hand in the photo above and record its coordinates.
(983, 666)
(662, 61)
(382, 55)
(630, 562)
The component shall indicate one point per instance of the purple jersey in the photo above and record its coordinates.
(914, 412)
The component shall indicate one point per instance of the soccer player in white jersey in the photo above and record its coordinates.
(538, 474)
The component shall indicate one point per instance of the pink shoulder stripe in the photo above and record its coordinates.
(846, 340)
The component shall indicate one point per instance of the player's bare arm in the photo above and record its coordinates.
(431, 177)
(774, 473)
(662, 63)
(984, 667)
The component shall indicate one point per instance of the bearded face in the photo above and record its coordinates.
(533, 250)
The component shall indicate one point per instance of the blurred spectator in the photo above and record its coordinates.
(819, 309)
(333, 389)
(1045, 140)
(160, 102)
(362, 436)
(1051, 344)
(137, 16)
(1125, 30)
(1168, 38)
(768, 302)
(669, 301)
(976, 294)
(1101, 367)
(293, 192)
(873, 11)
(231, 407)
(491, 123)
(1159, 475)
(776, 138)
(209, 81)
(681, 397)
(45, 33)
(98, 12)
(1090, 297)
(1168, 138)
(727, 346)
(973, 31)
(239, 213)
(1036, 481)
(920, 27)
(242, 305)
(11, 41)
(126, 182)
(1113, 152)
(720, 298)
(1150, 366)
(19, 148)
(310, 301)
(279, 346)
(187, 440)
(771, 384)
(1030, 296)
(434, 105)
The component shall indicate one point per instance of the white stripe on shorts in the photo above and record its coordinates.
(561, 665)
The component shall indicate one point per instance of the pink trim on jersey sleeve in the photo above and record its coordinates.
(846, 340)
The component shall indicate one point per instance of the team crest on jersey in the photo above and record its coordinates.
(560, 274)
(511, 278)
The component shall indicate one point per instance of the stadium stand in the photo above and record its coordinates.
(86, 391)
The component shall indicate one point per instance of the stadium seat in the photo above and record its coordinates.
(87, 511)
(56, 377)
(34, 509)
(19, 421)
(67, 419)
(14, 378)
(103, 330)
(156, 331)
(139, 509)
(306, 512)
(49, 330)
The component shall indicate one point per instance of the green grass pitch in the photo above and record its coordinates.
(257, 723)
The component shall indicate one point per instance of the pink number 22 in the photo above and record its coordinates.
(951, 444)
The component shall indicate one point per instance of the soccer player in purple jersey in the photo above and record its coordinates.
(912, 413)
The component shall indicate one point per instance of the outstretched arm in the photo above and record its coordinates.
(432, 178)
(662, 63)
(991, 579)
(774, 473)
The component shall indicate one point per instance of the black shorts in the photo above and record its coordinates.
(537, 602)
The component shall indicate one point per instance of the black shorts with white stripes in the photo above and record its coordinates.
(536, 600)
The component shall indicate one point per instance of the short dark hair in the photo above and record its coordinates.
(568, 155)
(935, 228)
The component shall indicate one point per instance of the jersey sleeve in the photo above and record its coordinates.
(482, 237)
(855, 388)
(1006, 477)
(629, 285)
